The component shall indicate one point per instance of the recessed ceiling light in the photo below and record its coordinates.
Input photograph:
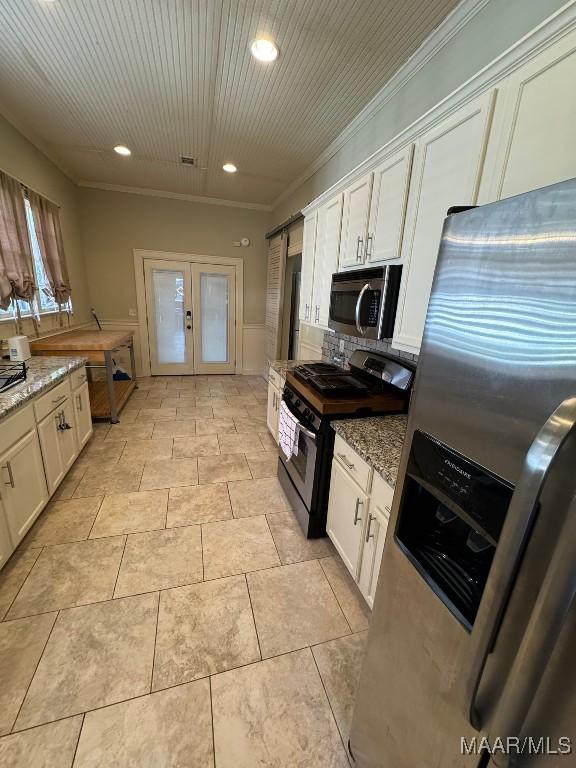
(264, 49)
(229, 168)
(122, 150)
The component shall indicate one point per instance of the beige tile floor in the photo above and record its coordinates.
(165, 609)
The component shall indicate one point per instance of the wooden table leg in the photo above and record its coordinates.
(111, 392)
(132, 363)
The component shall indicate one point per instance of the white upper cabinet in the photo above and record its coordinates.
(533, 142)
(307, 275)
(388, 207)
(355, 222)
(446, 171)
(326, 258)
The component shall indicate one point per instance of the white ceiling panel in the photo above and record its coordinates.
(173, 77)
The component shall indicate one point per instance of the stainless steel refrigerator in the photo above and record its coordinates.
(471, 655)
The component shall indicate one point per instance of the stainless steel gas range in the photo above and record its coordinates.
(318, 393)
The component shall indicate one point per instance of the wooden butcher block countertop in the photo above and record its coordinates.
(80, 341)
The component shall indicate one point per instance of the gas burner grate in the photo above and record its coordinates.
(11, 374)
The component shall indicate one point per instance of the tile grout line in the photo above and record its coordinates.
(253, 617)
(155, 640)
(78, 740)
(334, 593)
(212, 719)
(35, 670)
(328, 700)
(119, 569)
(21, 586)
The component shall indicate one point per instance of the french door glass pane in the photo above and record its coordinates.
(214, 311)
(169, 315)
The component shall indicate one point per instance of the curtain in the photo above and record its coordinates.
(16, 262)
(47, 225)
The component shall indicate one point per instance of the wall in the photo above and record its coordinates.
(497, 26)
(331, 347)
(21, 159)
(114, 223)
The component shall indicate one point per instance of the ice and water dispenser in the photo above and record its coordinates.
(451, 514)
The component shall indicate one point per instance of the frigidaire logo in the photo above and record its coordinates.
(458, 469)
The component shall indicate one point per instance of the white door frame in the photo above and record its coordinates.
(139, 258)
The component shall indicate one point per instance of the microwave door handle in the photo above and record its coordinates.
(359, 328)
(521, 512)
(553, 604)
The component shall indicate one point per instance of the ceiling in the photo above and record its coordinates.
(173, 77)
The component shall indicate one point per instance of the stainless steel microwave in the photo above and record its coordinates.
(363, 302)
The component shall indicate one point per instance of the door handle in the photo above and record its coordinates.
(521, 512)
(553, 604)
(369, 241)
(368, 534)
(359, 328)
(357, 517)
(8, 468)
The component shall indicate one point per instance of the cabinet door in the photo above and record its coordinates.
(355, 222)
(346, 513)
(532, 142)
(307, 274)
(446, 171)
(68, 438)
(81, 398)
(326, 260)
(48, 430)
(6, 546)
(372, 550)
(23, 485)
(273, 410)
(388, 207)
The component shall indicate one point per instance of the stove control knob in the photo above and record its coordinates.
(297, 403)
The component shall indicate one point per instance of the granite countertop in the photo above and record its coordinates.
(377, 439)
(43, 374)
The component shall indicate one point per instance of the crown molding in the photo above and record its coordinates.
(556, 26)
(172, 195)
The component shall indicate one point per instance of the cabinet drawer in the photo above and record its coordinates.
(354, 465)
(55, 397)
(15, 427)
(78, 378)
(382, 494)
(275, 379)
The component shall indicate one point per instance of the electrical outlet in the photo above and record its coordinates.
(341, 345)
(132, 312)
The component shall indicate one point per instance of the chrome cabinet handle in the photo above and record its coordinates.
(345, 461)
(359, 245)
(8, 467)
(79, 402)
(369, 241)
(59, 399)
(387, 508)
(368, 534)
(521, 512)
(274, 400)
(357, 517)
(317, 314)
(307, 312)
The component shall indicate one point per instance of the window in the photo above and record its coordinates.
(44, 298)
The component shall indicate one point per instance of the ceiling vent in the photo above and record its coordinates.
(187, 160)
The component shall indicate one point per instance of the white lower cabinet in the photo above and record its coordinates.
(24, 491)
(275, 389)
(58, 440)
(346, 514)
(38, 445)
(82, 415)
(358, 520)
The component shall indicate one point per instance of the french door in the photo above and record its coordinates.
(191, 316)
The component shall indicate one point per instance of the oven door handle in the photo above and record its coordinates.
(359, 328)
(307, 432)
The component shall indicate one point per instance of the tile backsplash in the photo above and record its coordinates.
(331, 343)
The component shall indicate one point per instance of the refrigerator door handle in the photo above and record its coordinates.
(523, 505)
(552, 606)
